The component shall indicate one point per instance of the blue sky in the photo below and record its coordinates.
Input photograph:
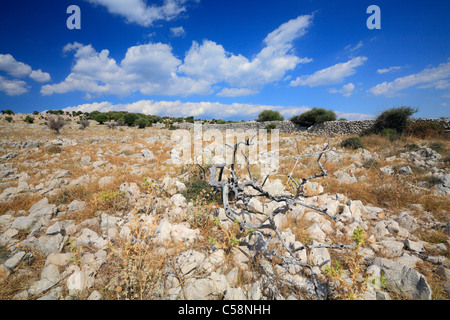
(225, 59)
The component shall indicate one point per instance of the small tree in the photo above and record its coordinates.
(142, 122)
(130, 119)
(270, 115)
(35, 113)
(29, 119)
(55, 123)
(314, 116)
(84, 123)
(101, 118)
(397, 119)
(8, 112)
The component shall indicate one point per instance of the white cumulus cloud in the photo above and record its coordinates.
(346, 90)
(153, 68)
(139, 12)
(332, 75)
(197, 109)
(17, 69)
(13, 87)
(433, 77)
(40, 76)
(177, 31)
(390, 69)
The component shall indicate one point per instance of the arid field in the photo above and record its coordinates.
(103, 213)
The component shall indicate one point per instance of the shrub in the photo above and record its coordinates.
(314, 116)
(8, 118)
(35, 113)
(83, 124)
(391, 134)
(101, 118)
(270, 115)
(200, 190)
(270, 126)
(423, 130)
(130, 119)
(396, 119)
(29, 119)
(56, 123)
(439, 147)
(142, 123)
(8, 112)
(353, 143)
(190, 119)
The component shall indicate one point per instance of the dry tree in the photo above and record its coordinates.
(56, 123)
(234, 191)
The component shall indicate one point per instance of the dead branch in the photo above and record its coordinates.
(233, 190)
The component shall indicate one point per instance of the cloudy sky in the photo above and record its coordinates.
(225, 59)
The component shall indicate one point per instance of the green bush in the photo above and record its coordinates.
(391, 134)
(101, 118)
(270, 115)
(130, 119)
(29, 119)
(270, 127)
(9, 119)
(423, 130)
(142, 122)
(200, 190)
(314, 116)
(352, 143)
(439, 147)
(397, 119)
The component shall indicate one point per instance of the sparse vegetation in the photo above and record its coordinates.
(314, 116)
(131, 264)
(28, 119)
(270, 115)
(352, 143)
(56, 123)
(394, 119)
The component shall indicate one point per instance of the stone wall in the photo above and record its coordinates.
(358, 126)
(284, 126)
(330, 127)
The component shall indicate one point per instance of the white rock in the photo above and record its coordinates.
(131, 189)
(85, 160)
(103, 181)
(148, 155)
(50, 277)
(178, 200)
(79, 281)
(76, 205)
(315, 232)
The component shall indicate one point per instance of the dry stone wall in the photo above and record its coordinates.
(330, 127)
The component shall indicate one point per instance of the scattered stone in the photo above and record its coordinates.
(414, 246)
(76, 205)
(104, 181)
(86, 160)
(50, 277)
(25, 224)
(148, 155)
(131, 189)
(403, 280)
(406, 221)
(80, 281)
(42, 209)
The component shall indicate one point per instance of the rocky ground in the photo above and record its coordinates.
(106, 214)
